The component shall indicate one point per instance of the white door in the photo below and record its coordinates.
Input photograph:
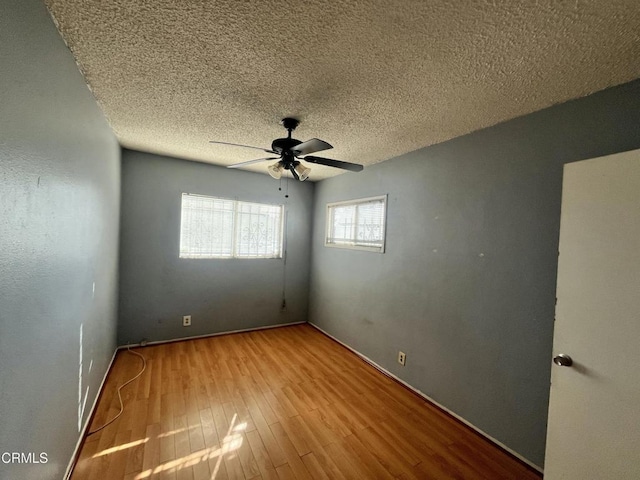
(594, 409)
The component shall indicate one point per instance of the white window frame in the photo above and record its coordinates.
(355, 245)
(234, 249)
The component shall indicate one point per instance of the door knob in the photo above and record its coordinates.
(563, 360)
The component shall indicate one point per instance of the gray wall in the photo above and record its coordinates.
(157, 288)
(59, 212)
(467, 284)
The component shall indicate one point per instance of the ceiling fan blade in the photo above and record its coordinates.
(244, 146)
(311, 146)
(354, 167)
(251, 162)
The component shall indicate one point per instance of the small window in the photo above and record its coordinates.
(357, 224)
(213, 227)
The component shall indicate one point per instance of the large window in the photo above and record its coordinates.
(222, 228)
(357, 224)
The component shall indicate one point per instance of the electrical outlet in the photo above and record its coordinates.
(402, 358)
(186, 321)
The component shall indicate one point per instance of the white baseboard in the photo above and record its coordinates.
(431, 400)
(207, 335)
(76, 451)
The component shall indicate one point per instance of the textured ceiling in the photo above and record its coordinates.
(374, 78)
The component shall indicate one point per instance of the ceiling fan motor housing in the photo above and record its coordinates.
(284, 145)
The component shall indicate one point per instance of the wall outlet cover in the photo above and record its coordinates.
(402, 358)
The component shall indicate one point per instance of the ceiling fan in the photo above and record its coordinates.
(291, 151)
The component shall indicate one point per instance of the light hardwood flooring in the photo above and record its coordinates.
(283, 403)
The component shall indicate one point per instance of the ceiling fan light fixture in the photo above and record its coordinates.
(275, 170)
(302, 171)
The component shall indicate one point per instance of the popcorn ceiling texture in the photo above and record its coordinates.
(374, 78)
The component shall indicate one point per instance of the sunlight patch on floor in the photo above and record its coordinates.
(124, 446)
(175, 432)
(231, 442)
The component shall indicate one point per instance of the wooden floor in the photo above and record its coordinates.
(276, 404)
